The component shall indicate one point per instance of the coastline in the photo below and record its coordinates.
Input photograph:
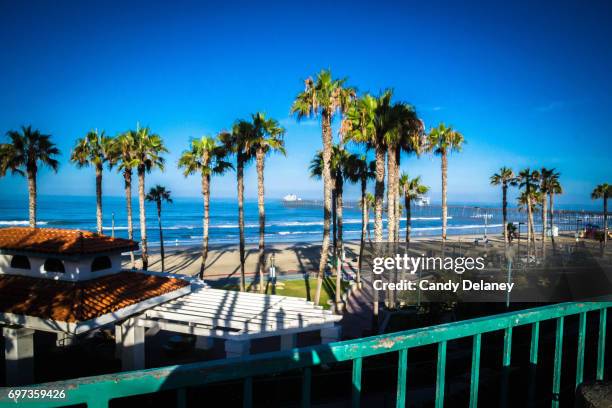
(290, 258)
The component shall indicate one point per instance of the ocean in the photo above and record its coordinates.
(182, 219)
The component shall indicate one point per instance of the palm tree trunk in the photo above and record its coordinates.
(552, 213)
(544, 216)
(99, 198)
(364, 218)
(379, 191)
(32, 197)
(390, 193)
(530, 237)
(408, 217)
(205, 221)
(240, 179)
(444, 183)
(339, 213)
(505, 211)
(161, 235)
(127, 178)
(262, 217)
(327, 199)
(340, 250)
(143, 217)
(334, 219)
(367, 223)
(396, 194)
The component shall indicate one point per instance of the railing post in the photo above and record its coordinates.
(601, 346)
(475, 374)
(507, 347)
(580, 352)
(535, 338)
(402, 368)
(440, 373)
(356, 401)
(557, 362)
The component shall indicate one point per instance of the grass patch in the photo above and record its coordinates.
(300, 288)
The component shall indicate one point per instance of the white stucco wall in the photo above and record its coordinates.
(76, 269)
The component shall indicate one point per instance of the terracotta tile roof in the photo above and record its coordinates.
(80, 301)
(61, 241)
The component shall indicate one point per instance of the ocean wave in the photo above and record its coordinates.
(21, 223)
(456, 227)
(153, 227)
(296, 232)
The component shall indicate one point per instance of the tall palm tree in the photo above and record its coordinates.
(369, 121)
(554, 188)
(360, 170)
(603, 191)
(411, 188)
(546, 176)
(267, 138)
(340, 164)
(22, 155)
(404, 136)
(146, 156)
(529, 181)
(326, 96)
(122, 154)
(442, 140)
(505, 178)
(412, 140)
(236, 142)
(156, 195)
(93, 149)
(206, 156)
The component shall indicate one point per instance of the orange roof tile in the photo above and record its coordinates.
(80, 301)
(61, 241)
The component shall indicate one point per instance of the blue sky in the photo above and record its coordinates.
(527, 83)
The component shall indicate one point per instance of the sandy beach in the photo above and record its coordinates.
(290, 258)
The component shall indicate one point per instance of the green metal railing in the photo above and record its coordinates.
(98, 391)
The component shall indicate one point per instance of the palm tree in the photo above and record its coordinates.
(528, 180)
(369, 121)
(267, 138)
(404, 135)
(412, 188)
(236, 142)
(21, 156)
(603, 191)
(442, 140)
(505, 178)
(341, 162)
(93, 149)
(554, 188)
(360, 170)
(122, 153)
(546, 176)
(411, 140)
(326, 97)
(156, 195)
(146, 156)
(205, 156)
(370, 202)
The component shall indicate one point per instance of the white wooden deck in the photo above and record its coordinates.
(233, 315)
